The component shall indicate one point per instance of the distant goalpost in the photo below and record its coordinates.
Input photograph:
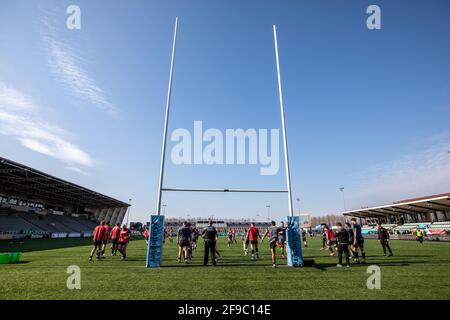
(154, 251)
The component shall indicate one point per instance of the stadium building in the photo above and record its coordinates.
(434, 208)
(36, 204)
(430, 213)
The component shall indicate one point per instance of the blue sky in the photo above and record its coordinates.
(366, 109)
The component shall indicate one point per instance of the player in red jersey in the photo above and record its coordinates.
(115, 234)
(331, 240)
(146, 234)
(233, 232)
(253, 235)
(107, 236)
(124, 238)
(98, 236)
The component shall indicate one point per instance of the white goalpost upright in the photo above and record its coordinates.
(166, 119)
(283, 125)
(294, 249)
(154, 253)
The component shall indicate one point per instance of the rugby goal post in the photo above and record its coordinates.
(154, 252)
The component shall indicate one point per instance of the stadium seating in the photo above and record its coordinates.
(21, 223)
(440, 225)
(368, 229)
(15, 224)
(42, 223)
(68, 223)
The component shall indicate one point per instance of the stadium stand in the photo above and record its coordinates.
(368, 229)
(15, 222)
(38, 204)
(440, 225)
(409, 212)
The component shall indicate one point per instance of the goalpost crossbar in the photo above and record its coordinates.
(224, 190)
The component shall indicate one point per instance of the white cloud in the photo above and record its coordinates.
(19, 118)
(77, 170)
(35, 145)
(418, 174)
(67, 66)
(13, 100)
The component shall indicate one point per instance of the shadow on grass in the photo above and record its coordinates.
(21, 262)
(30, 245)
(325, 266)
(219, 265)
(15, 263)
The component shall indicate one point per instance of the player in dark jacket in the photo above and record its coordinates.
(383, 238)
(349, 229)
(324, 236)
(184, 242)
(358, 241)
(343, 239)
(210, 236)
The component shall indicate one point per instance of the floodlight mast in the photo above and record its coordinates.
(166, 120)
(283, 124)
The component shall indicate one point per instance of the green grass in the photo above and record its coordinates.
(415, 272)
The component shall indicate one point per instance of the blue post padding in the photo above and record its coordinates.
(155, 242)
(294, 242)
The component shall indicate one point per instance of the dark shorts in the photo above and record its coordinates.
(359, 242)
(98, 243)
(282, 241)
(115, 241)
(331, 243)
(123, 244)
(272, 244)
(184, 243)
(254, 242)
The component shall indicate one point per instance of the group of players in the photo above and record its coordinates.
(187, 238)
(277, 239)
(119, 240)
(275, 234)
(349, 240)
(345, 240)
